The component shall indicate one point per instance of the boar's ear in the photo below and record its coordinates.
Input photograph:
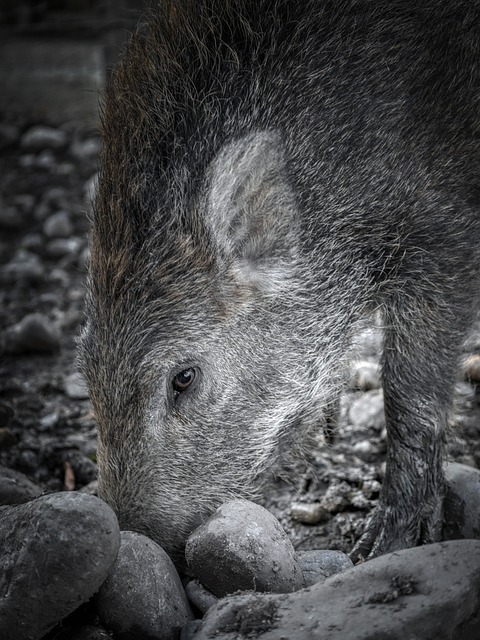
(251, 211)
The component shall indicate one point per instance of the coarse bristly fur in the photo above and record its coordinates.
(271, 171)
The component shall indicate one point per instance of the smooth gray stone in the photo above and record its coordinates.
(10, 217)
(318, 565)
(461, 507)
(16, 488)
(367, 411)
(308, 512)
(34, 333)
(420, 594)
(24, 266)
(40, 137)
(200, 597)
(365, 375)
(55, 552)
(242, 547)
(143, 596)
(58, 225)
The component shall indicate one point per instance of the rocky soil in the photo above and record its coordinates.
(48, 445)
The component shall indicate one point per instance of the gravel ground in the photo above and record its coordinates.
(47, 430)
(46, 426)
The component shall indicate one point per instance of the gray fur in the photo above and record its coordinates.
(271, 172)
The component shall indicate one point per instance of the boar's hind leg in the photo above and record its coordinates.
(420, 353)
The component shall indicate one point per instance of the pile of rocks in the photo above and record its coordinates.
(62, 550)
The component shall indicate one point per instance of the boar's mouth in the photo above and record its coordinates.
(168, 534)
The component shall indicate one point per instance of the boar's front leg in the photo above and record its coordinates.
(419, 362)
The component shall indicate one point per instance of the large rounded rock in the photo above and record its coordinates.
(143, 596)
(55, 552)
(419, 594)
(242, 547)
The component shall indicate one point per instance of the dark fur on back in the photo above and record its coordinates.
(196, 74)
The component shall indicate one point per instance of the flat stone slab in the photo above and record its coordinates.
(422, 593)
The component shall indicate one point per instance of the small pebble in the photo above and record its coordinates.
(371, 488)
(33, 242)
(200, 597)
(58, 225)
(45, 160)
(308, 512)
(337, 496)
(85, 150)
(48, 422)
(91, 488)
(60, 276)
(42, 210)
(34, 333)
(41, 137)
(367, 411)
(10, 217)
(25, 202)
(365, 375)
(24, 266)
(365, 450)
(369, 343)
(61, 247)
(64, 168)
(143, 596)
(241, 547)
(57, 197)
(16, 488)
(27, 160)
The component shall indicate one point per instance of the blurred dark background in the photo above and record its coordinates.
(54, 54)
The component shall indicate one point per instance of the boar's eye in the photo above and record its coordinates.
(183, 380)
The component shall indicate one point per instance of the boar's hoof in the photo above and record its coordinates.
(390, 529)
